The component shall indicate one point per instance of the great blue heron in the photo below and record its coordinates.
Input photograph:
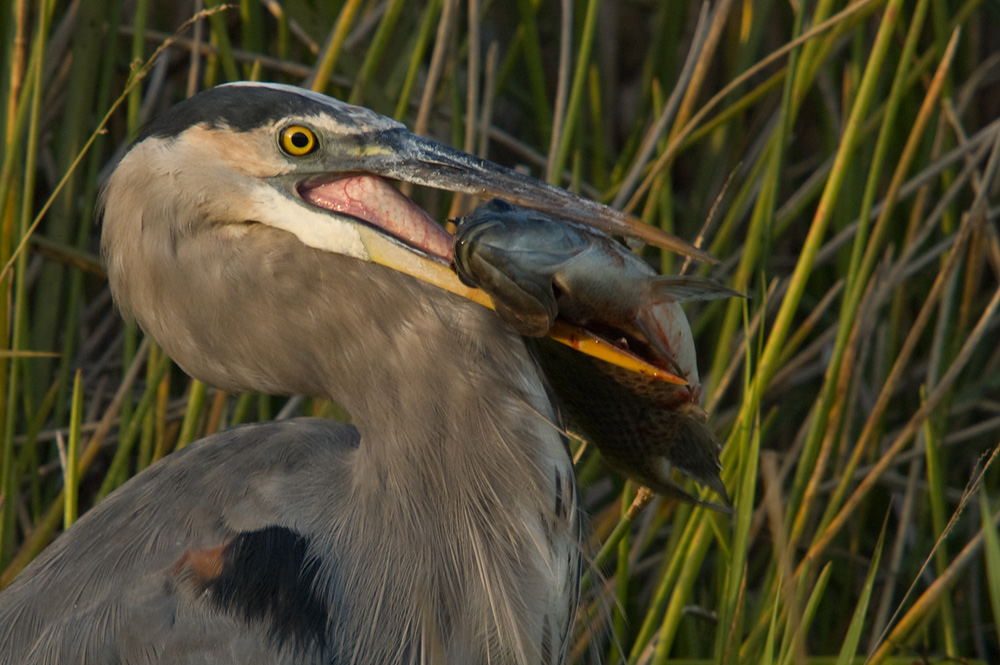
(240, 231)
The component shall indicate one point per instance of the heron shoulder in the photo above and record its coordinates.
(154, 555)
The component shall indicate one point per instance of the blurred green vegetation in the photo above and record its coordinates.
(841, 160)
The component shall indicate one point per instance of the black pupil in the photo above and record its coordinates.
(300, 139)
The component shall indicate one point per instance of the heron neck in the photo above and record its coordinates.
(461, 464)
(453, 391)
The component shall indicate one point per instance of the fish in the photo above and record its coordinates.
(538, 269)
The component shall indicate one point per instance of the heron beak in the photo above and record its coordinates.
(356, 185)
(401, 155)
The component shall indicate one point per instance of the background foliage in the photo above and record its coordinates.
(840, 158)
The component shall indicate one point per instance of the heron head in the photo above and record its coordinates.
(216, 168)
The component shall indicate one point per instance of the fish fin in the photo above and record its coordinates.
(656, 475)
(652, 328)
(668, 488)
(688, 287)
(533, 321)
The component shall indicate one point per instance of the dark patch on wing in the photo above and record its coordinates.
(241, 108)
(265, 576)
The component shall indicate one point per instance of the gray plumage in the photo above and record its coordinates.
(251, 233)
(442, 529)
(426, 545)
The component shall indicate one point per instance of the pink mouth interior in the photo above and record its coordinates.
(376, 201)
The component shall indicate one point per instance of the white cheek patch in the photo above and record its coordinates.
(313, 228)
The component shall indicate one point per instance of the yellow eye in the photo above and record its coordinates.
(297, 140)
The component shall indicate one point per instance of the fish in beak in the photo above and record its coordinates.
(539, 271)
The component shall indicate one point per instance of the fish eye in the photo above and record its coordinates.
(298, 140)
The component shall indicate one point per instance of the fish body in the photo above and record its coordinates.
(537, 268)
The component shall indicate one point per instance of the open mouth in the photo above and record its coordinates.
(376, 202)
